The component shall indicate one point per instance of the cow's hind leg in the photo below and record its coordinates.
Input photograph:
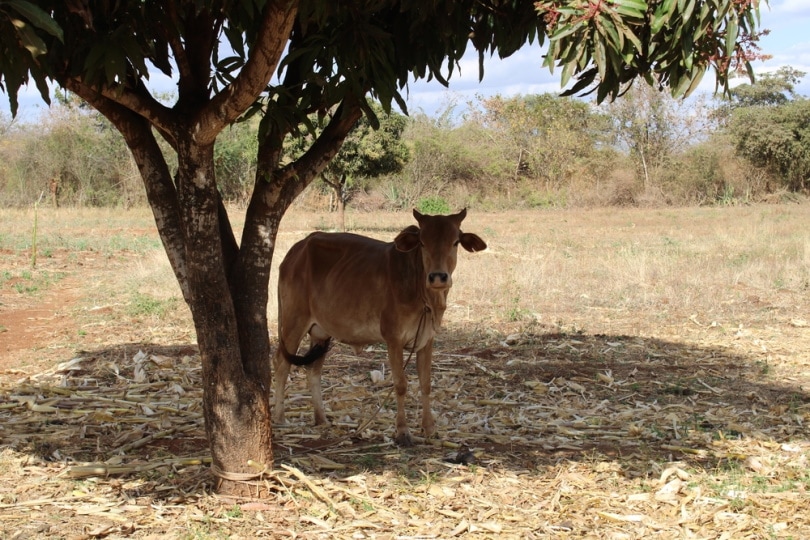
(317, 338)
(314, 380)
(290, 336)
(281, 371)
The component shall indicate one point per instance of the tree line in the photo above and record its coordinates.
(495, 152)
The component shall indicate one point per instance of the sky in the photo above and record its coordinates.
(788, 43)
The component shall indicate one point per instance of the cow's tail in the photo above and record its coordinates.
(314, 353)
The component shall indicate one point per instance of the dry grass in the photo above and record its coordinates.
(603, 374)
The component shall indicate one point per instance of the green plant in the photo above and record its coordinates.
(144, 305)
(234, 512)
(514, 312)
(433, 205)
(23, 288)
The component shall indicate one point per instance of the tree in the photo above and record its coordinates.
(548, 136)
(235, 160)
(328, 57)
(653, 126)
(769, 126)
(366, 152)
(770, 89)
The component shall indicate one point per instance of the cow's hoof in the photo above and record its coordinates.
(404, 439)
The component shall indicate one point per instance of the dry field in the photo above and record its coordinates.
(602, 374)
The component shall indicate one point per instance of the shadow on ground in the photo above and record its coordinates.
(525, 402)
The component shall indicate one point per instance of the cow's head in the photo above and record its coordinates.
(438, 237)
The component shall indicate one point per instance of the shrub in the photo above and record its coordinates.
(433, 205)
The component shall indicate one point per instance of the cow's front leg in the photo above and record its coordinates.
(424, 359)
(402, 436)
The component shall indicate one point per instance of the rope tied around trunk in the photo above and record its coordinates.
(261, 472)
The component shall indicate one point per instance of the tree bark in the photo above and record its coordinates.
(236, 405)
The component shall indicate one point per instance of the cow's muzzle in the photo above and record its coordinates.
(439, 280)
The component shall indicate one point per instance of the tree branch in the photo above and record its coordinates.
(180, 57)
(299, 174)
(160, 190)
(233, 100)
(137, 100)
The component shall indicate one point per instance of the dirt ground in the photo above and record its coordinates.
(603, 427)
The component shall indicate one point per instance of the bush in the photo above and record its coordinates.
(433, 205)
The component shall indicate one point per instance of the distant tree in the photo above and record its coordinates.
(547, 136)
(73, 155)
(769, 125)
(653, 126)
(235, 160)
(328, 57)
(366, 153)
(770, 89)
(442, 153)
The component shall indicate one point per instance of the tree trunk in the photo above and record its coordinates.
(225, 285)
(342, 210)
(196, 234)
(236, 406)
(338, 186)
(645, 171)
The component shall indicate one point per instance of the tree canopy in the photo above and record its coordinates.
(371, 46)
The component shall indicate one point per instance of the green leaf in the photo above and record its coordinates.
(29, 38)
(696, 78)
(115, 66)
(584, 80)
(686, 13)
(567, 71)
(687, 49)
(600, 57)
(628, 34)
(731, 34)
(662, 15)
(632, 8)
(612, 34)
(565, 31)
(133, 52)
(37, 17)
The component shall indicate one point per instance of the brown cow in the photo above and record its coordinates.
(361, 291)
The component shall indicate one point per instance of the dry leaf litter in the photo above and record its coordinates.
(541, 435)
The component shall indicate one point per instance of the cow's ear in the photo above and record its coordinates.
(408, 239)
(472, 242)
